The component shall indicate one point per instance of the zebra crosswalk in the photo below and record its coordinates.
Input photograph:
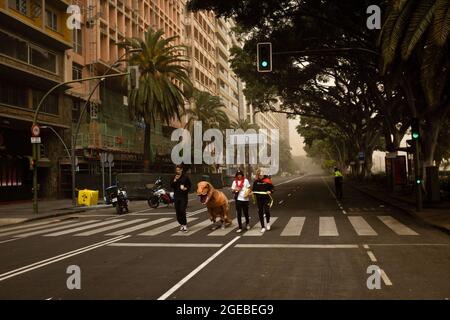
(322, 226)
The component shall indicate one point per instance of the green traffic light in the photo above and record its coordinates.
(264, 64)
(418, 181)
(415, 135)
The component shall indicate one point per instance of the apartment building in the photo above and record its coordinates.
(33, 42)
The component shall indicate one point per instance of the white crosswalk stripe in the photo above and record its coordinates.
(33, 233)
(60, 233)
(396, 226)
(223, 232)
(256, 230)
(195, 228)
(120, 225)
(138, 227)
(25, 226)
(40, 227)
(327, 227)
(361, 226)
(294, 227)
(164, 228)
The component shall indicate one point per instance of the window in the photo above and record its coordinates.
(50, 104)
(77, 72)
(13, 94)
(43, 59)
(16, 47)
(19, 5)
(51, 20)
(77, 41)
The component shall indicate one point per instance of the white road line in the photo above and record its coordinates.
(24, 226)
(279, 184)
(385, 278)
(195, 228)
(196, 270)
(36, 228)
(172, 213)
(60, 233)
(256, 230)
(289, 194)
(9, 240)
(40, 264)
(410, 244)
(327, 227)
(96, 231)
(366, 246)
(344, 212)
(23, 235)
(361, 226)
(396, 226)
(227, 230)
(164, 228)
(294, 227)
(138, 227)
(166, 245)
(281, 201)
(298, 246)
(371, 256)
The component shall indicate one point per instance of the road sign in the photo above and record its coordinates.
(35, 139)
(103, 157)
(35, 130)
(110, 157)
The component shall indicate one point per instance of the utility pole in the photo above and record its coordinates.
(415, 132)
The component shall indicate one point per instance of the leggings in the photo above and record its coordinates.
(263, 208)
(242, 206)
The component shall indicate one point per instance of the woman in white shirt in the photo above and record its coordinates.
(241, 191)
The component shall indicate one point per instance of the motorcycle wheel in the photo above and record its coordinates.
(153, 202)
(118, 209)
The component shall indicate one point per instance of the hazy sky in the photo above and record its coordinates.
(295, 139)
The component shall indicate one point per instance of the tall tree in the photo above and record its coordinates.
(164, 83)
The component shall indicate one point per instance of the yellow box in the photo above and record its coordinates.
(87, 197)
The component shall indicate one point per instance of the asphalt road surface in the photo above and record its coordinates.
(317, 248)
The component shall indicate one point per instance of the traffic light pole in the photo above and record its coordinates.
(35, 149)
(419, 201)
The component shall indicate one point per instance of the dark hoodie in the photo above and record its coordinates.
(262, 185)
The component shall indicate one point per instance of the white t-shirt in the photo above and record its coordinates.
(242, 192)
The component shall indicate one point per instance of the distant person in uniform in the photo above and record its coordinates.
(338, 178)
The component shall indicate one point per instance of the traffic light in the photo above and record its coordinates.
(264, 56)
(133, 77)
(415, 129)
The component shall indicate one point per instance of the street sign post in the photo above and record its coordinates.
(35, 139)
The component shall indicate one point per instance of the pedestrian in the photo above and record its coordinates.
(241, 190)
(181, 186)
(338, 179)
(262, 191)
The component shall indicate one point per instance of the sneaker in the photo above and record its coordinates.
(185, 229)
(247, 227)
(181, 228)
(263, 230)
(238, 230)
(268, 226)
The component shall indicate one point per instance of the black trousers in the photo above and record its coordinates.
(263, 208)
(242, 206)
(338, 187)
(180, 209)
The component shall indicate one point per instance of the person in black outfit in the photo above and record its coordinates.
(262, 189)
(181, 186)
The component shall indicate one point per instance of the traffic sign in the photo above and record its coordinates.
(35, 130)
(110, 157)
(35, 139)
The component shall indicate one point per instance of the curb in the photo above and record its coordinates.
(409, 212)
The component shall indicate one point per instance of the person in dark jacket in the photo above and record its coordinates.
(181, 186)
(262, 190)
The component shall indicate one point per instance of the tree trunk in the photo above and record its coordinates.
(430, 135)
(147, 148)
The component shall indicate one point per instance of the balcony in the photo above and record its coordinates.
(109, 142)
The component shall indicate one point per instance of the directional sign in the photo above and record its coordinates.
(35, 139)
(35, 130)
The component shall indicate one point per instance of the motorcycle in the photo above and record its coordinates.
(159, 195)
(118, 198)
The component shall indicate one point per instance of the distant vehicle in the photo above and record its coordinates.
(159, 195)
(118, 198)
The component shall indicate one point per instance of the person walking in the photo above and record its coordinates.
(338, 179)
(181, 185)
(241, 190)
(262, 190)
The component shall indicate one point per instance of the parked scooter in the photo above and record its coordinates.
(159, 195)
(118, 198)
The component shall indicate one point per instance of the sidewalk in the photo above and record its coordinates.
(17, 212)
(437, 216)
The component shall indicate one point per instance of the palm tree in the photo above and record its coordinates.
(209, 110)
(415, 41)
(164, 83)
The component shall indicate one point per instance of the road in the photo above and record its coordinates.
(318, 248)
